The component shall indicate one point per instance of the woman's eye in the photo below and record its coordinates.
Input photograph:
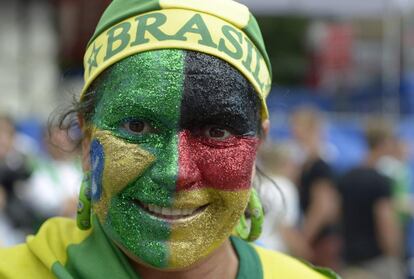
(137, 127)
(217, 133)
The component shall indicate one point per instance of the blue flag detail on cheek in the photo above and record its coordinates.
(97, 165)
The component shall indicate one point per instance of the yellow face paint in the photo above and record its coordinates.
(196, 238)
(123, 162)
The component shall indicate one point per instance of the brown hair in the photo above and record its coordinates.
(377, 131)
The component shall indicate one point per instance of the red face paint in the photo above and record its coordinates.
(221, 165)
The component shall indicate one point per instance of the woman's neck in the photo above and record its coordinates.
(222, 263)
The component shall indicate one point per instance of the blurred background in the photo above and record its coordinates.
(341, 144)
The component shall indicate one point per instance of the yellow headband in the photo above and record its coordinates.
(179, 29)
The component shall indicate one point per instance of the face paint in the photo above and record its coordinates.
(172, 155)
(217, 148)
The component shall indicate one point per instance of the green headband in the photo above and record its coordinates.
(222, 28)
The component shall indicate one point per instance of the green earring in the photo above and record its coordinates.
(83, 216)
(256, 219)
(242, 229)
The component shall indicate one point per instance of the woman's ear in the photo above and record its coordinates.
(265, 130)
(85, 144)
(86, 164)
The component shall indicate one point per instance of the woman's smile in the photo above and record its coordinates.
(172, 214)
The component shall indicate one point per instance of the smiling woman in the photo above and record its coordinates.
(170, 140)
(176, 148)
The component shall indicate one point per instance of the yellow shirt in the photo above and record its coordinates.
(61, 250)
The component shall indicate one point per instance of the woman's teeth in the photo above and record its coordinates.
(170, 211)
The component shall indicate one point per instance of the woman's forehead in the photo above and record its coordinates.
(195, 86)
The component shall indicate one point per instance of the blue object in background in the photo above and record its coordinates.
(32, 128)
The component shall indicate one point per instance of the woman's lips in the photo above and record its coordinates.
(171, 214)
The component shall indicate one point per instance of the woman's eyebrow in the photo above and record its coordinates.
(228, 116)
(136, 109)
(238, 122)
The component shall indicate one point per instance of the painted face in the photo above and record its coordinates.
(172, 153)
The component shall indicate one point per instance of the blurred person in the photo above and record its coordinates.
(2, 205)
(395, 166)
(319, 199)
(372, 234)
(2, 198)
(8, 234)
(54, 185)
(13, 164)
(280, 200)
(14, 169)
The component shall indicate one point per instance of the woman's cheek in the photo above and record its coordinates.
(226, 168)
(114, 163)
(230, 168)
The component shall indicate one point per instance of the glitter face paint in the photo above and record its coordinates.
(195, 151)
(214, 95)
(146, 87)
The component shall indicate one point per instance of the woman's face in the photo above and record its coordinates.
(173, 146)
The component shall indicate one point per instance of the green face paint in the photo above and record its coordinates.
(172, 155)
(145, 87)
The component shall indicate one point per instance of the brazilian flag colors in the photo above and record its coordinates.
(172, 136)
(225, 29)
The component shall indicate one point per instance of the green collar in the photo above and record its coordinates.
(250, 265)
(97, 257)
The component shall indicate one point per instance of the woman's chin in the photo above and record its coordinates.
(137, 261)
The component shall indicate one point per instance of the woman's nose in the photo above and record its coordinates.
(189, 174)
(165, 169)
(176, 166)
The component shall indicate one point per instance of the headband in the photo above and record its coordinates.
(221, 28)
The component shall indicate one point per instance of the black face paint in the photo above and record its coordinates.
(217, 94)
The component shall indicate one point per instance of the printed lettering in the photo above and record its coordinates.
(247, 63)
(118, 33)
(257, 70)
(196, 25)
(153, 28)
(230, 33)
